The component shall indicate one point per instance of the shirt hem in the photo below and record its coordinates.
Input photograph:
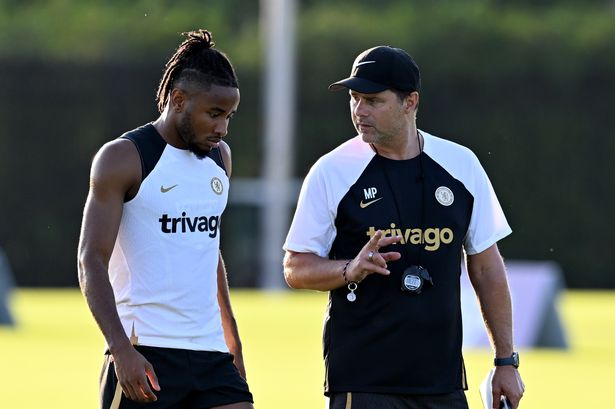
(488, 243)
(158, 343)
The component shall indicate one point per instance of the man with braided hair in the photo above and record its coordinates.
(149, 262)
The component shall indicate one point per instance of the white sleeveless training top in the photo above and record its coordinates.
(164, 264)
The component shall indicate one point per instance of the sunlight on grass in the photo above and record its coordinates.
(53, 357)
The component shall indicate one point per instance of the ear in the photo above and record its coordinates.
(412, 102)
(177, 100)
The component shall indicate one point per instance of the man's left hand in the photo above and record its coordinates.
(507, 382)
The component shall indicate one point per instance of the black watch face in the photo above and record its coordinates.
(515, 358)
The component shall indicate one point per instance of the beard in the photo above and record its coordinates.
(187, 135)
(381, 135)
(375, 137)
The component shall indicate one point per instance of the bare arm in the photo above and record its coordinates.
(115, 170)
(229, 324)
(488, 277)
(310, 271)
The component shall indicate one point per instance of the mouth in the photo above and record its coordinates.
(214, 141)
(364, 127)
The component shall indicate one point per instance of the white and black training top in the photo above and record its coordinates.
(440, 202)
(164, 264)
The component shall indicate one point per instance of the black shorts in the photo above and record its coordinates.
(356, 400)
(188, 380)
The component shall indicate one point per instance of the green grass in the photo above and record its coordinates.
(53, 358)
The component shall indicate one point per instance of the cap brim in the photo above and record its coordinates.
(358, 84)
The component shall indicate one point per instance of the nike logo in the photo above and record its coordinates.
(364, 62)
(166, 189)
(364, 205)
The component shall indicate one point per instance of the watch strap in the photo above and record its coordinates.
(511, 360)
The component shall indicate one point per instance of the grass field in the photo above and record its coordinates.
(52, 359)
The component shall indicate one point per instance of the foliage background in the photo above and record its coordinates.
(528, 85)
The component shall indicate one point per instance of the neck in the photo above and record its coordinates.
(166, 129)
(407, 148)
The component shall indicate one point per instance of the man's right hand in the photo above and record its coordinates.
(370, 260)
(135, 375)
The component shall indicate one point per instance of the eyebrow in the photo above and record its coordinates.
(366, 96)
(221, 111)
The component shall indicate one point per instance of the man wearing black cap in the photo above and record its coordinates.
(382, 223)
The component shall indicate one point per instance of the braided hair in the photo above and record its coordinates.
(196, 61)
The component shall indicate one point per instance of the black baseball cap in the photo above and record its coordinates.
(381, 68)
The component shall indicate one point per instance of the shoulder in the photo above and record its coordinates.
(117, 163)
(354, 152)
(445, 147)
(457, 159)
(115, 154)
(335, 172)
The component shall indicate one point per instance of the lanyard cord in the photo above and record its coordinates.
(397, 207)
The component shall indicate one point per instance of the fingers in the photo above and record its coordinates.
(377, 260)
(372, 244)
(133, 390)
(375, 243)
(139, 390)
(387, 241)
(496, 400)
(145, 392)
(370, 260)
(508, 384)
(151, 376)
(129, 391)
(135, 382)
(390, 256)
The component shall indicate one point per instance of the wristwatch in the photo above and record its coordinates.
(511, 360)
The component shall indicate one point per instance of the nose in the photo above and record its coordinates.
(221, 128)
